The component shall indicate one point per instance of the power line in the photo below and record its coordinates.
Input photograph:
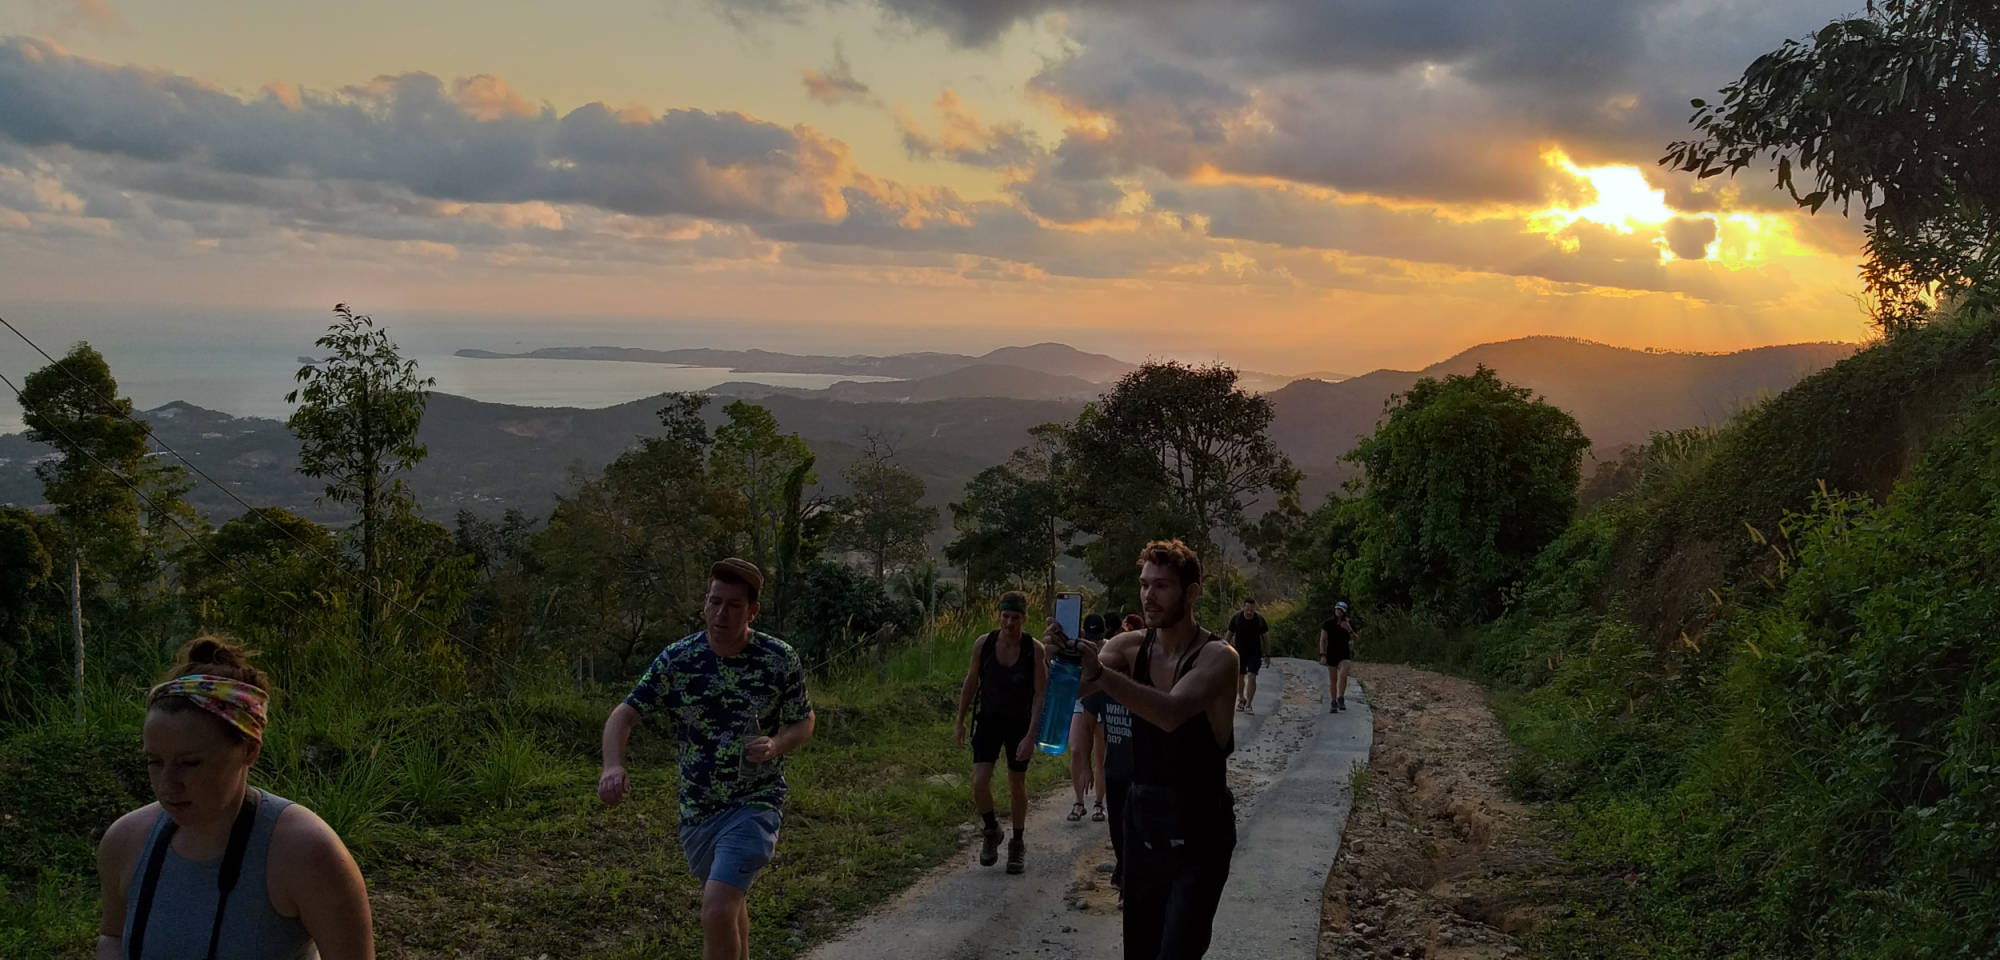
(192, 537)
(332, 562)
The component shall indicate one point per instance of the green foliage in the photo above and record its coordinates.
(1467, 479)
(73, 406)
(1809, 773)
(806, 525)
(753, 459)
(1898, 109)
(838, 607)
(356, 416)
(884, 517)
(626, 557)
(1010, 523)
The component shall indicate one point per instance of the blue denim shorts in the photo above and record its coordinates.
(731, 846)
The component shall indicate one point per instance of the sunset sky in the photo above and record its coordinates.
(1290, 185)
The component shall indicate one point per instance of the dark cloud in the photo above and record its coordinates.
(1451, 100)
(1689, 237)
(963, 138)
(836, 83)
(408, 132)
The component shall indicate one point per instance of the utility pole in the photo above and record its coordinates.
(76, 615)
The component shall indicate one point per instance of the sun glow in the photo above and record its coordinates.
(1624, 201)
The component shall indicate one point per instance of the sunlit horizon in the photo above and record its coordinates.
(1178, 186)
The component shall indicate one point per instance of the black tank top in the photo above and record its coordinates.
(1006, 690)
(1186, 759)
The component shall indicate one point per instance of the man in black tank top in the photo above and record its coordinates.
(1006, 680)
(1179, 684)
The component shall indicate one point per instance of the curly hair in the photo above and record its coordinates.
(1176, 555)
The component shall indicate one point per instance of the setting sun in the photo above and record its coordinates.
(1624, 201)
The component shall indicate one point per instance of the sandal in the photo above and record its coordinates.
(1076, 812)
(1098, 814)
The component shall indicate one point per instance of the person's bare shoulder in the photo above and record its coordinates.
(1121, 649)
(300, 837)
(118, 851)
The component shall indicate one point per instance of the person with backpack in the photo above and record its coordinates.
(1003, 690)
(216, 867)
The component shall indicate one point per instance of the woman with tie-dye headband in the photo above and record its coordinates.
(217, 868)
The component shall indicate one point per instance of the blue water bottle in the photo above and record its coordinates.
(1059, 700)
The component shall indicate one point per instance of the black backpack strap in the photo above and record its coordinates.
(232, 866)
(135, 945)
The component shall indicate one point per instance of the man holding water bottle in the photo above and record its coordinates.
(1006, 680)
(737, 701)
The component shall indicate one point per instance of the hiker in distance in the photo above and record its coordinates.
(1337, 639)
(1246, 633)
(737, 700)
(1179, 683)
(1003, 689)
(218, 868)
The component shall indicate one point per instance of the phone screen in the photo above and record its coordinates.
(1069, 613)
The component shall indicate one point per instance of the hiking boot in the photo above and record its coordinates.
(1333, 707)
(1343, 703)
(989, 847)
(1017, 856)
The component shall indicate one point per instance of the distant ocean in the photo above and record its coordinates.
(243, 363)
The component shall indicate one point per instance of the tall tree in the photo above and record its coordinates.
(751, 457)
(73, 406)
(1467, 479)
(806, 524)
(883, 516)
(1010, 525)
(628, 553)
(356, 417)
(1899, 109)
(1208, 439)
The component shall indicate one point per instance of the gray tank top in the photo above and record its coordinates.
(184, 902)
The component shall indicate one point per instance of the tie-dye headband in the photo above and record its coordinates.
(239, 703)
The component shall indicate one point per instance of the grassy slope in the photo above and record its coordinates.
(1782, 743)
(479, 829)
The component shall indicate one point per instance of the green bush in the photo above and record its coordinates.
(1801, 761)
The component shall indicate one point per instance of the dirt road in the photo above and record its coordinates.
(1291, 777)
(1438, 863)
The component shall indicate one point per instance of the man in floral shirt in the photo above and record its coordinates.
(737, 701)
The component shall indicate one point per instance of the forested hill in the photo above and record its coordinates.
(1618, 396)
(488, 457)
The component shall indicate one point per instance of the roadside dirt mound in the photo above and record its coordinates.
(1436, 861)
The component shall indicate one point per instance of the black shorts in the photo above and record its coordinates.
(1336, 652)
(995, 736)
(1250, 660)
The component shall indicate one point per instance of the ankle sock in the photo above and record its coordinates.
(992, 822)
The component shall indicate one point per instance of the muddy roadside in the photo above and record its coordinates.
(1437, 861)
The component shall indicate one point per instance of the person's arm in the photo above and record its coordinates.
(795, 712)
(1322, 643)
(612, 783)
(969, 689)
(323, 883)
(788, 738)
(1035, 711)
(1114, 654)
(117, 853)
(1213, 674)
(644, 698)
